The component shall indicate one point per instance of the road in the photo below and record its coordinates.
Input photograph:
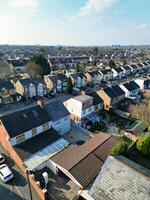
(17, 188)
(20, 105)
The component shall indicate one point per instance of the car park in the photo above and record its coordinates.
(5, 173)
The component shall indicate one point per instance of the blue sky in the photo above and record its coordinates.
(75, 22)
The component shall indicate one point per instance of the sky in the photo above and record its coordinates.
(75, 22)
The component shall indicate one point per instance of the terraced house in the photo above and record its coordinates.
(31, 87)
(31, 136)
(8, 93)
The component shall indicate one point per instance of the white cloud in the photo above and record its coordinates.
(92, 7)
(31, 5)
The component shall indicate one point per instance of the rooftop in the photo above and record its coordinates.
(82, 98)
(24, 120)
(96, 98)
(36, 143)
(73, 154)
(121, 179)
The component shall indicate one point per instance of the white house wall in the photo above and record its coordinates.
(62, 125)
(28, 134)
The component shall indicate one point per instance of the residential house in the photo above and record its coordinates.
(147, 84)
(107, 74)
(120, 179)
(140, 82)
(31, 87)
(146, 66)
(61, 83)
(140, 67)
(59, 115)
(127, 70)
(79, 80)
(118, 72)
(94, 78)
(8, 93)
(56, 83)
(18, 65)
(97, 101)
(131, 89)
(110, 98)
(119, 91)
(79, 107)
(134, 68)
(51, 82)
(30, 139)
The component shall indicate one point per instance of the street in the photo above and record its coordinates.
(20, 105)
(17, 188)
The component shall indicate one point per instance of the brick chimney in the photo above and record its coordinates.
(40, 102)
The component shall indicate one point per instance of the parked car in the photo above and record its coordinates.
(2, 159)
(53, 94)
(5, 173)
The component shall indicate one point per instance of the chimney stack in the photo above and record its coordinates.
(40, 102)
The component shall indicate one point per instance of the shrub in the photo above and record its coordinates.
(120, 148)
(143, 145)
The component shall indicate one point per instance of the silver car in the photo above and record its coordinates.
(5, 173)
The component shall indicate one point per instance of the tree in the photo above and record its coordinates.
(5, 69)
(141, 111)
(143, 145)
(111, 63)
(33, 69)
(95, 51)
(69, 86)
(120, 148)
(40, 60)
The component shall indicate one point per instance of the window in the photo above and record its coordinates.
(45, 127)
(20, 138)
(90, 109)
(34, 132)
(57, 123)
(84, 112)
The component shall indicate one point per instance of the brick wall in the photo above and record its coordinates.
(10, 150)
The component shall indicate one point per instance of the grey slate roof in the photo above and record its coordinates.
(110, 92)
(96, 98)
(76, 75)
(118, 69)
(94, 73)
(121, 179)
(134, 66)
(56, 110)
(118, 90)
(28, 81)
(6, 85)
(106, 71)
(62, 77)
(126, 67)
(132, 85)
(24, 120)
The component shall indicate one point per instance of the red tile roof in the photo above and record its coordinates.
(72, 155)
(103, 150)
(86, 170)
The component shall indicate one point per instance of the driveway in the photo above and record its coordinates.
(17, 188)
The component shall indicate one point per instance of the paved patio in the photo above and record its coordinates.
(77, 134)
